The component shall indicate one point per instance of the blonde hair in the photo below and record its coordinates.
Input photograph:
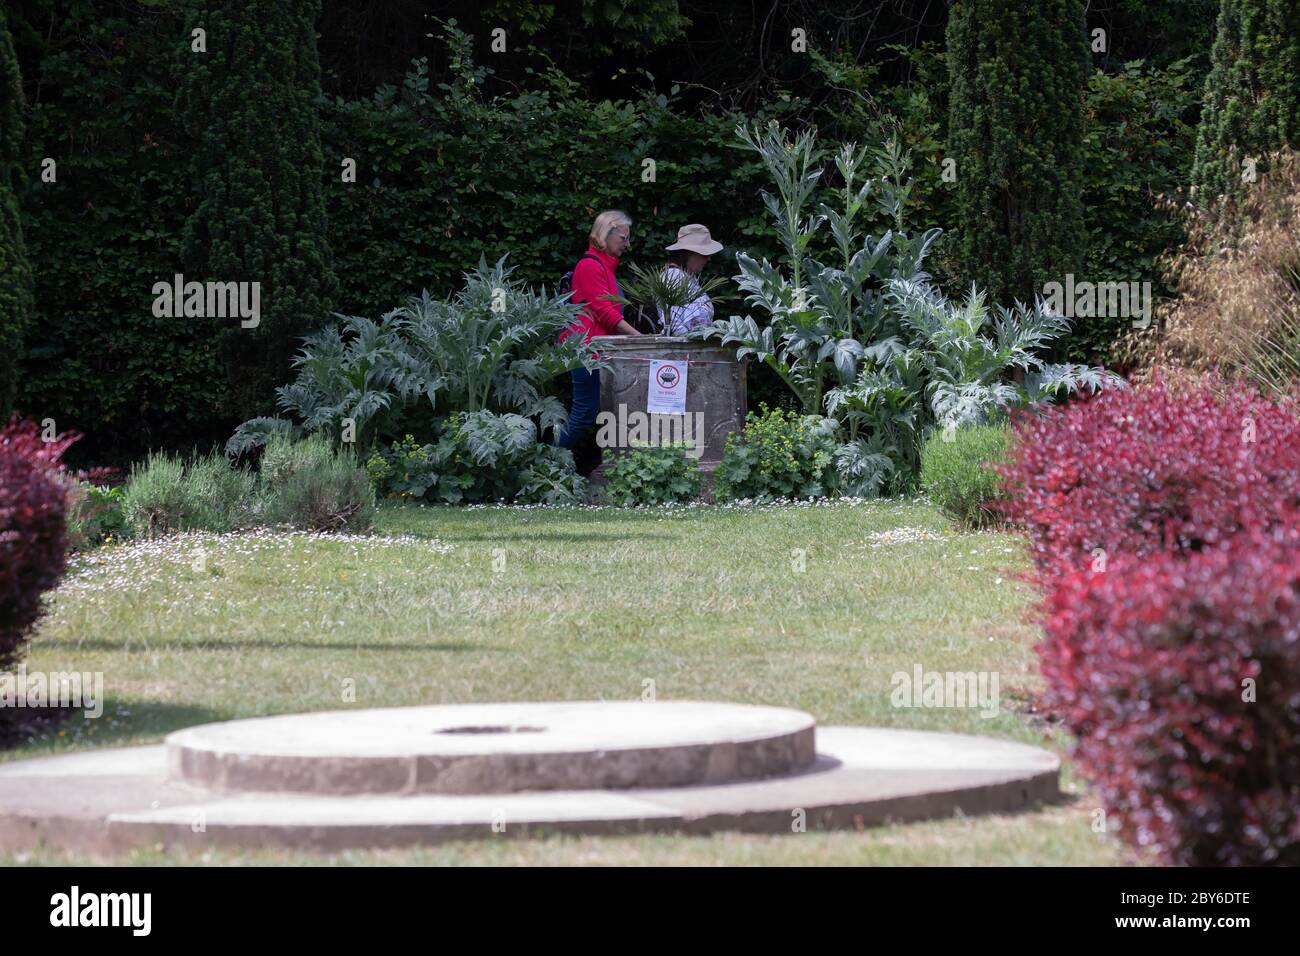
(605, 223)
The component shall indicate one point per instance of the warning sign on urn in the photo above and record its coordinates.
(666, 394)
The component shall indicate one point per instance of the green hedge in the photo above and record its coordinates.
(446, 173)
(104, 232)
(1138, 135)
(15, 270)
(253, 99)
(446, 176)
(955, 472)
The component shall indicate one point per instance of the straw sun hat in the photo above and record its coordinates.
(695, 238)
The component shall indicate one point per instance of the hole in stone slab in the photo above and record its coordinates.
(501, 729)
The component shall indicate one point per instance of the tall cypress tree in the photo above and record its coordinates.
(1252, 93)
(1018, 72)
(15, 270)
(253, 100)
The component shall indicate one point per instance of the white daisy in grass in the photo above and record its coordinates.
(138, 563)
(896, 536)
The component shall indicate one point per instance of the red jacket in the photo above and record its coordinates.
(593, 279)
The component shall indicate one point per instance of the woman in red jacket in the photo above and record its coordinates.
(593, 283)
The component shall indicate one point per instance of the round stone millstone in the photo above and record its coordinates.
(107, 801)
(495, 748)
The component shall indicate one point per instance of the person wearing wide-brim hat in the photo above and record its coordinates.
(687, 257)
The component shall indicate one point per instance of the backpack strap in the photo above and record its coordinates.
(565, 285)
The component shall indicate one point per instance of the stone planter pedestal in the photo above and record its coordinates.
(715, 394)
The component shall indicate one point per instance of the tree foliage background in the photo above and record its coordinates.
(1015, 134)
(15, 270)
(253, 99)
(1252, 94)
(462, 151)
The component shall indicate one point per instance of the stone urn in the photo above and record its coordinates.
(631, 414)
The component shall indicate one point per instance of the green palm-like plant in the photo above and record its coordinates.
(970, 357)
(491, 347)
(885, 413)
(952, 366)
(666, 290)
(869, 335)
(823, 319)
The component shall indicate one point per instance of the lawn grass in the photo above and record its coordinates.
(813, 607)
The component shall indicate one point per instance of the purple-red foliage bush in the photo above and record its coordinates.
(33, 537)
(1179, 676)
(1149, 471)
(1164, 525)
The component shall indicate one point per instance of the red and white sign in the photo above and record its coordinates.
(667, 392)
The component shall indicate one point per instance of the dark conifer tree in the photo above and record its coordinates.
(253, 100)
(15, 270)
(1018, 72)
(1252, 94)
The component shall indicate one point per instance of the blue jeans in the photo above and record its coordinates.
(586, 405)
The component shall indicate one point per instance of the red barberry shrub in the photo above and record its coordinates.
(33, 538)
(1149, 470)
(1179, 677)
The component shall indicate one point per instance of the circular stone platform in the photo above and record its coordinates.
(108, 800)
(495, 748)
